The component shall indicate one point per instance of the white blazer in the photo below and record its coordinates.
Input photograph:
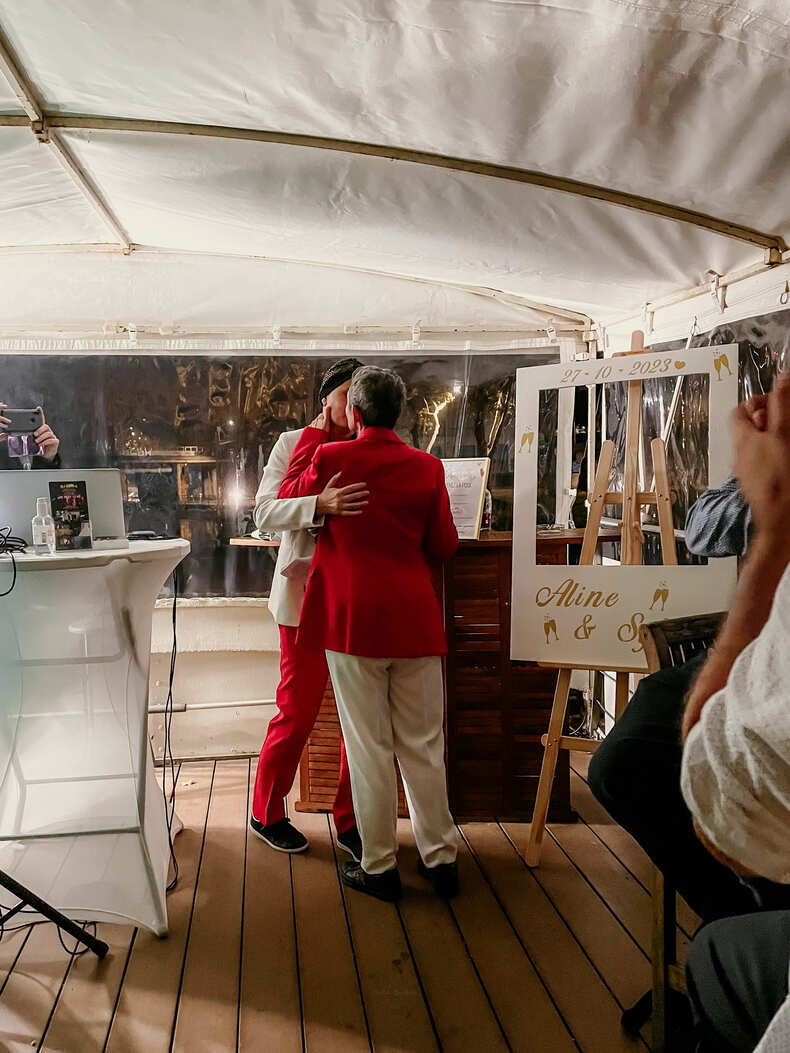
(291, 518)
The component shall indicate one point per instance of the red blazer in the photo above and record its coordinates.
(370, 590)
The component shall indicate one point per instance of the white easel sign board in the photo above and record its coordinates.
(466, 479)
(589, 617)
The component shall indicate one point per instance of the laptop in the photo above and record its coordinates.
(19, 490)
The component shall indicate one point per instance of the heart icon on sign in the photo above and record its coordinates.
(679, 365)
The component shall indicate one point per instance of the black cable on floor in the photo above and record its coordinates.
(168, 763)
(8, 546)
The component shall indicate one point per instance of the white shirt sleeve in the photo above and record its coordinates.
(287, 513)
(736, 762)
(777, 1036)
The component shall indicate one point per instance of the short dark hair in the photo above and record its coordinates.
(379, 395)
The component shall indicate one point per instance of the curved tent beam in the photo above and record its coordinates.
(773, 244)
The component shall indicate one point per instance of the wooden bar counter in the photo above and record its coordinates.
(496, 710)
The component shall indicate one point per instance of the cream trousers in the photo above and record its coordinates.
(395, 707)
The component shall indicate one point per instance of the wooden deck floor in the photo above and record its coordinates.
(271, 953)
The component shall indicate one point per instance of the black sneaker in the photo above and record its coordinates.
(443, 877)
(351, 842)
(281, 836)
(384, 886)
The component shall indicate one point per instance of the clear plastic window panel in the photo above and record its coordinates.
(192, 435)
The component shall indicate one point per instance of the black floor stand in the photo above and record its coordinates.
(30, 899)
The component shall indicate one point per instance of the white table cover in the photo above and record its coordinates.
(82, 819)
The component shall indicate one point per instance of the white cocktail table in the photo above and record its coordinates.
(82, 820)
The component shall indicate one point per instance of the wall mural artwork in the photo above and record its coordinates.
(589, 616)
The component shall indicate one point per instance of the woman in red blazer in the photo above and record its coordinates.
(370, 602)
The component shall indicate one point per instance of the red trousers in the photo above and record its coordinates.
(303, 677)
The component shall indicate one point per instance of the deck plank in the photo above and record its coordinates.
(622, 844)
(397, 1014)
(146, 1009)
(86, 1005)
(515, 962)
(32, 989)
(207, 1020)
(585, 1002)
(11, 947)
(528, 1016)
(270, 1009)
(334, 1020)
(625, 896)
(461, 1010)
(613, 952)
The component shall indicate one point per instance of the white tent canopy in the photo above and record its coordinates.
(601, 154)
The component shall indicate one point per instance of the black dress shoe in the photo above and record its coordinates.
(351, 842)
(281, 836)
(384, 886)
(443, 877)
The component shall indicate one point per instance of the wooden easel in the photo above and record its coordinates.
(632, 499)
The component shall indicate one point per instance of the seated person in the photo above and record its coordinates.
(635, 773)
(736, 760)
(48, 442)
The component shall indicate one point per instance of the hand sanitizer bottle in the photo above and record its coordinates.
(43, 529)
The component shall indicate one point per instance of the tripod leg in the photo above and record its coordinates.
(548, 767)
(99, 947)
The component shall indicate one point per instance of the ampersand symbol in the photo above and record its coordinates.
(583, 631)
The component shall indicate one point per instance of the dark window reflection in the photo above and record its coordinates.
(192, 435)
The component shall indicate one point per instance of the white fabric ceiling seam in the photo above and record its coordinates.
(553, 314)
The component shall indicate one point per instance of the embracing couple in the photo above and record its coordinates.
(363, 518)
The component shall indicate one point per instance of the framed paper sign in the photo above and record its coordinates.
(466, 479)
(589, 616)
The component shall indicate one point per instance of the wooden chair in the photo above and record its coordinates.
(668, 643)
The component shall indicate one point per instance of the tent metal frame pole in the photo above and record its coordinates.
(531, 177)
(38, 122)
(547, 181)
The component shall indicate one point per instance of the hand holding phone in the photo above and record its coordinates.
(20, 421)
